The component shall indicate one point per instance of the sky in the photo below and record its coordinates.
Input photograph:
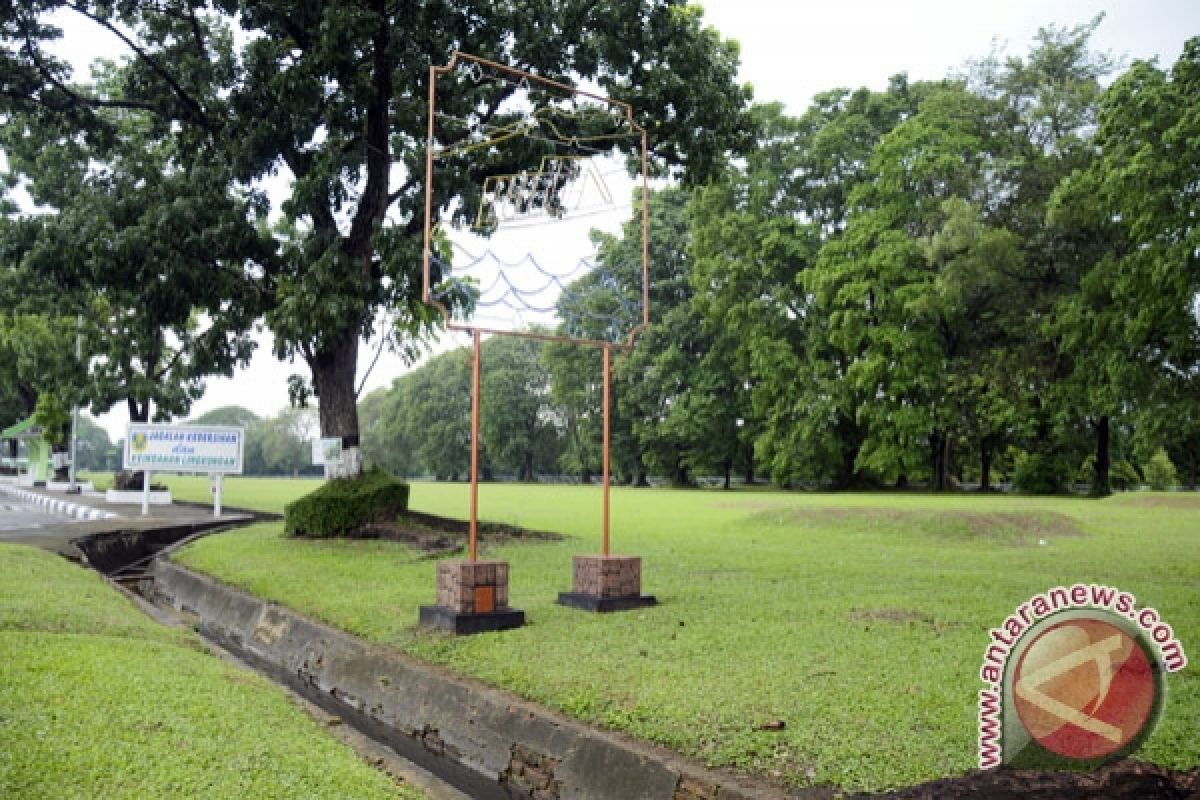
(790, 50)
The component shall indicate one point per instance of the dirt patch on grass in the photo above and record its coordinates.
(1005, 527)
(1177, 502)
(441, 536)
(1122, 780)
(899, 615)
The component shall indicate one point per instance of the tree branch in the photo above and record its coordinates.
(198, 113)
(74, 96)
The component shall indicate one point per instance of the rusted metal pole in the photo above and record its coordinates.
(427, 296)
(607, 439)
(473, 549)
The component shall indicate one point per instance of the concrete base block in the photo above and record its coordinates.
(606, 583)
(590, 602)
(460, 623)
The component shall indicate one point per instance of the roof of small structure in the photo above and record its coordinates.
(23, 430)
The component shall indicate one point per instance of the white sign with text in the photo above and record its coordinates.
(210, 449)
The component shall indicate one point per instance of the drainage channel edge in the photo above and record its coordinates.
(485, 741)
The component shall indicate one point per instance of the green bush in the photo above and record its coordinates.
(1040, 474)
(343, 507)
(1123, 476)
(1160, 472)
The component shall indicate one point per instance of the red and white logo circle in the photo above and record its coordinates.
(1084, 688)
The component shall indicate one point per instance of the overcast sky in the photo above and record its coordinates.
(792, 49)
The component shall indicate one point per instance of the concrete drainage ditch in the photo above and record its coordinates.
(485, 742)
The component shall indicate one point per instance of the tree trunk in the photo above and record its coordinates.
(728, 471)
(939, 460)
(947, 460)
(138, 412)
(333, 371)
(985, 465)
(937, 466)
(1100, 481)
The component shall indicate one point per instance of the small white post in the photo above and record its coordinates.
(71, 487)
(146, 493)
(217, 498)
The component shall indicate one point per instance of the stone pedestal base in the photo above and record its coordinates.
(606, 583)
(472, 597)
(463, 624)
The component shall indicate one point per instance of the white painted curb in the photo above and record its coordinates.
(56, 506)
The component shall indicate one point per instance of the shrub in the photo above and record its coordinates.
(1160, 472)
(1123, 476)
(129, 481)
(342, 507)
(1037, 473)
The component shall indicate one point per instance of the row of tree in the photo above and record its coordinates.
(909, 285)
(942, 282)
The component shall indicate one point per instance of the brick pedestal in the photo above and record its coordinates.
(472, 597)
(606, 583)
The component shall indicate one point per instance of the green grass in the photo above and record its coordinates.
(858, 619)
(97, 700)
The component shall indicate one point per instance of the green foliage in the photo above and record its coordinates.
(98, 700)
(880, 654)
(1039, 473)
(1124, 476)
(517, 424)
(54, 417)
(1160, 472)
(343, 507)
(35, 354)
(294, 91)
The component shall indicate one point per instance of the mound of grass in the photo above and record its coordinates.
(344, 508)
(860, 620)
(97, 700)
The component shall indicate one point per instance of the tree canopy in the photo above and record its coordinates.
(333, 95)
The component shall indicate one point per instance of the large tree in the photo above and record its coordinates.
(756, 239)
(334, 94)
(1146, 184)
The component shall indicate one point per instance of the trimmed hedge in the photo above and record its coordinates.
(342, 507)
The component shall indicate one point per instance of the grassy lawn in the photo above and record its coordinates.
(859, 620)
(97, 700)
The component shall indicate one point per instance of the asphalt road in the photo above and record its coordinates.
(16, 516)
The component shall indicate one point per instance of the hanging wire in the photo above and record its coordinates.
(560, 294)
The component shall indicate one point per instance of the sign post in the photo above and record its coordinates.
(207, 449)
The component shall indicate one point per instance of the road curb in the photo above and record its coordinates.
(56, 506)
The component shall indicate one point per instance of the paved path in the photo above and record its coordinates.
(27, 517)
(15, 516)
